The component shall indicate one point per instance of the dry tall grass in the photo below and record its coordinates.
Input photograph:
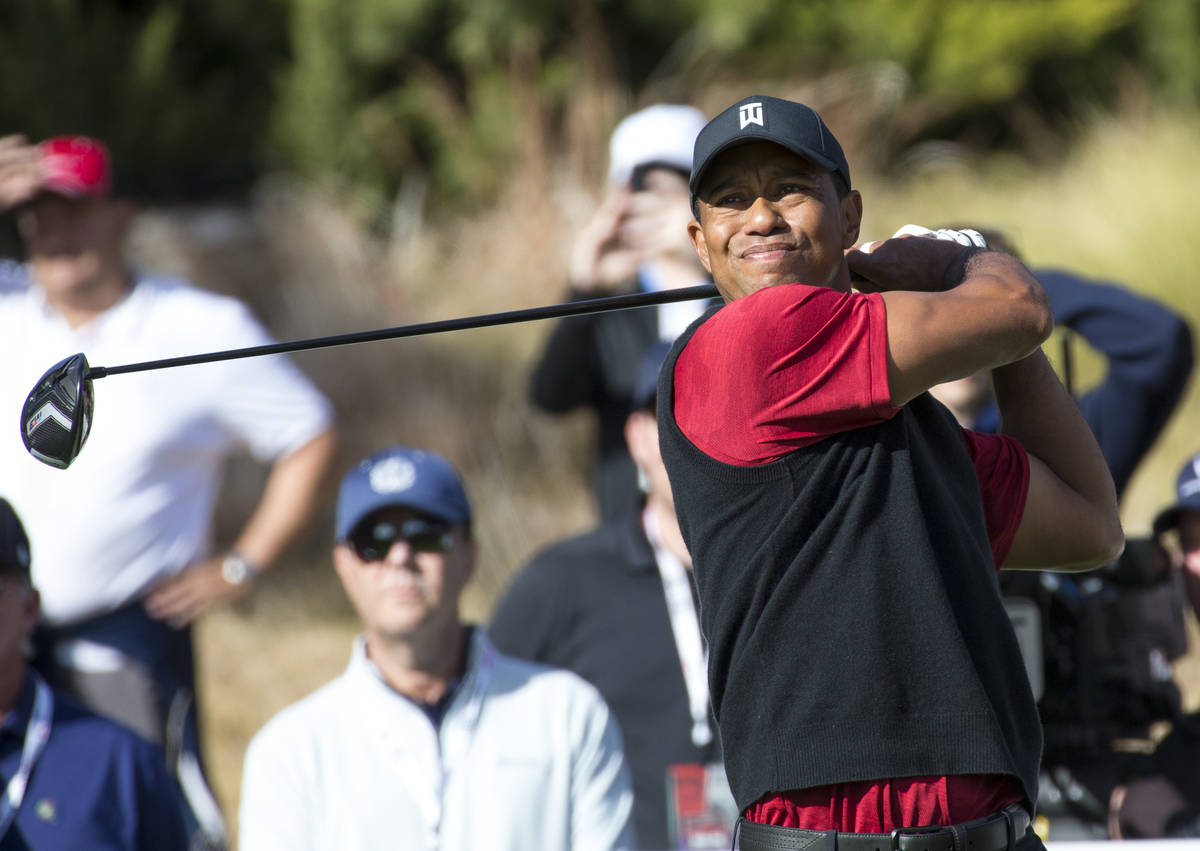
(1121, 206)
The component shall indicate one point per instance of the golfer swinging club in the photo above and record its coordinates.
(846, 531)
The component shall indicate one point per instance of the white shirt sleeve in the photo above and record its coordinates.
(267, 403)
(602, 794)
(274, 806)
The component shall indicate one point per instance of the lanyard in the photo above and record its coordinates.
(681, 609)
(36, 734)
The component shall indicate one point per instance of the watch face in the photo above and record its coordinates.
(235, 570)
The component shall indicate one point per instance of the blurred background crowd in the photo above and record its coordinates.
(346, 164)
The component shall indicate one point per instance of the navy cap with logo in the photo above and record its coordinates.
(14, 545)
(401, 477)
(761, 118)
(1187, 495)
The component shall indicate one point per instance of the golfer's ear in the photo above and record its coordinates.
(696, 235)
(852, 213)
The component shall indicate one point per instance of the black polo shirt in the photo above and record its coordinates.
(595, 605)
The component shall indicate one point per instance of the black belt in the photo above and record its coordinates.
(998, 832)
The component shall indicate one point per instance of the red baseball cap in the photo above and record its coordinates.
(76, 166)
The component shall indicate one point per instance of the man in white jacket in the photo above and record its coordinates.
(431, 739)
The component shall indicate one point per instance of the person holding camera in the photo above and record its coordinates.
(635, 240)
(1099, 693)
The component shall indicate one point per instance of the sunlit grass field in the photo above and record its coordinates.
(1122, 207)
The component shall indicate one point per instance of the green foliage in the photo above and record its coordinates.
(1168, 29)
(456, 93)
(373, 94)
(966, 50)
(177, 89)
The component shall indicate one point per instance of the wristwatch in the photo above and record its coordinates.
(236, 570)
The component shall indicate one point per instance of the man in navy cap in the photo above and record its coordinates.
(431, 739)
(71, 778)
(845, 530)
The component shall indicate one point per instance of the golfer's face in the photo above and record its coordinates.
(404, 571)
(767, 217)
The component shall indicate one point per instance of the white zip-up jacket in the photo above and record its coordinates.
(526, 758)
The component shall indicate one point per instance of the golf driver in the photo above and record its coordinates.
(57, 414)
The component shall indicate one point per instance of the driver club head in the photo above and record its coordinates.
(57, 414)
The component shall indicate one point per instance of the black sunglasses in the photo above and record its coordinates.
(372, 542)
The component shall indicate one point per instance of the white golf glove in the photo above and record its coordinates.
(966, 236)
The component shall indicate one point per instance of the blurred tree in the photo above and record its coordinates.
(461, 95)
(1169, 29)
(456, 90)
(381, 90)
(180, 90)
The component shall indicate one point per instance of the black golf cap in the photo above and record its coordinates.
(761, 118)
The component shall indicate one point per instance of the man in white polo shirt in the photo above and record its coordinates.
(122, 545)
(431, 740)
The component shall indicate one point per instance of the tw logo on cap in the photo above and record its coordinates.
(750, 113)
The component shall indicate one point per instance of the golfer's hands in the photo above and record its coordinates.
(181, 598)
(20, 171)
(915, 258)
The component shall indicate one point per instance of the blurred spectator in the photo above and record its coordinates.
(617, 607)
(124, 561)
(1183, 521)
(1106, 638)
(636, 240)
(73, 779)
(430, 739)
(1161, 795)
(1148, 353)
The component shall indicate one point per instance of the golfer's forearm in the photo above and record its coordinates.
(1037, 410)
(289, 498)
(997, 316)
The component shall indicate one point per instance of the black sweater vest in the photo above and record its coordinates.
(850, 603)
